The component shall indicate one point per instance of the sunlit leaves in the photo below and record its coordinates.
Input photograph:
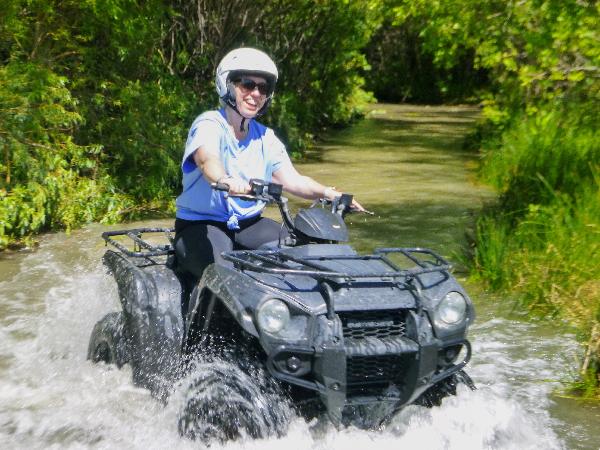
(96, 95)
(550, 46)
(46, 179)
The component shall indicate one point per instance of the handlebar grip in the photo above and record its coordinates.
(220, 186)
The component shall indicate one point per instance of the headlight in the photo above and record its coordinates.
(452, 309)
(273, 315)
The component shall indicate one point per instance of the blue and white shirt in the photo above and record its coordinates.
(257, 156)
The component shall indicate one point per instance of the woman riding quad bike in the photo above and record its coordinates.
(241, 306)
(229, 146)
(356, 337)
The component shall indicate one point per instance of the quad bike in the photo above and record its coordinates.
(330, 331)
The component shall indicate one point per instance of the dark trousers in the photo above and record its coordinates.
(200, 243)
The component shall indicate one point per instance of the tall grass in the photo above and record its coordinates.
(555, 149)
(542, 240)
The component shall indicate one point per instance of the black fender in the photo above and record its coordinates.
(151, 298)
(238, 294)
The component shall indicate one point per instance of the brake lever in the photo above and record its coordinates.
(364, 211)
(324, 202)
(357, 211)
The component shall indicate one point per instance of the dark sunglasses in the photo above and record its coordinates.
(249, 85)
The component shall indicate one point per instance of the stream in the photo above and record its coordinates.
(406, 164)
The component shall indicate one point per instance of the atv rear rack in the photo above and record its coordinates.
(141, 247)
(280, 263)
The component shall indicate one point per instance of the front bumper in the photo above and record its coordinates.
(348, 372)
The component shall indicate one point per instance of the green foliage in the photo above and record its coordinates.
(550, 259)
(403, 66)
(46, 180)
(537, 50)
(551, 256)
(539, 142)
(97, 95)
(316, 45)
(131, 104)
(141, 126)
(555, 149)
(76, 89)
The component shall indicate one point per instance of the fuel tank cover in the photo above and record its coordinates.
(319, 223)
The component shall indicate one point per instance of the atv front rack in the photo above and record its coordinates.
(141, 248)
(280, 263)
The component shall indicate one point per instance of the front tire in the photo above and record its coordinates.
(224, 403)
(108, 342)
(444, 388)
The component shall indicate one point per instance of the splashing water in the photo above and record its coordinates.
(407, 165)
(219, 401)
(51, 395)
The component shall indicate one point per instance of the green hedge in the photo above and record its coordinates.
(96, 96)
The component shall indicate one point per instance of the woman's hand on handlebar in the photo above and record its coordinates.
(237, 186)
(331, 193)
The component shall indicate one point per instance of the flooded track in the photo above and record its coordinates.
(406, 164)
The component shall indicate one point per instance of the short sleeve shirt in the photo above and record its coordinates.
(259, 155)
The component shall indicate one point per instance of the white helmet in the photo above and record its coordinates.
(249, 61)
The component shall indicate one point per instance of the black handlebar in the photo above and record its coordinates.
(259, 190)
(264, 191)
(220, 186)
(270, 192)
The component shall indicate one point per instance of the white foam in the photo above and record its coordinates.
(51, 396)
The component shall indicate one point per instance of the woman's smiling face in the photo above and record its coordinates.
(249, 101)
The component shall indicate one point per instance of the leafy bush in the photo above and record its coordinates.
(96, 97)
(542, 240)
(539, 142)
(46, 180)
(555, 149)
